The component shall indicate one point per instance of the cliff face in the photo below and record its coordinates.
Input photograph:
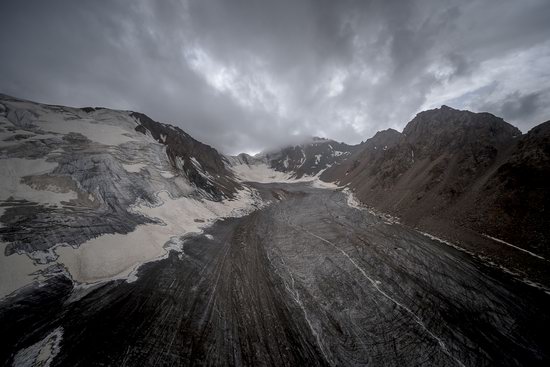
(201, 164)
(458, 169)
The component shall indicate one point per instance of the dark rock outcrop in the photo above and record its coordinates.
(206, 171)
(357, 163)
(513, 202)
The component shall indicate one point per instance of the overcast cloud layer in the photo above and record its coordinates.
(247, 75)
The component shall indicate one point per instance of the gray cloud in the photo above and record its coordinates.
(247, 75)
(517, 106)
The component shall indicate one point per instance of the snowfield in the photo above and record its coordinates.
(262, 173)
(11, 186)
(17, 271)
(100, 133)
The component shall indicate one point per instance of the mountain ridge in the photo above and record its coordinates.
(449, 169)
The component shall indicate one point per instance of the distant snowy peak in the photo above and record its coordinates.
(293, 162)
(309, 159)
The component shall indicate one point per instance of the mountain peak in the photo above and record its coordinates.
(448, 128)
(384, 139)
(447, 108)
(317, 138)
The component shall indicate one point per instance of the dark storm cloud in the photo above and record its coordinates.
(518, 106)
(246, 74)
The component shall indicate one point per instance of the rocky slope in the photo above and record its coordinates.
(454, 170)
(207, 171)
(96, 192)
(295, 162)
(513, 202)
(356, 166)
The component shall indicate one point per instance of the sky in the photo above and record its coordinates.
(250, 75)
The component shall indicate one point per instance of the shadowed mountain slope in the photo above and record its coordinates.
(453, 169)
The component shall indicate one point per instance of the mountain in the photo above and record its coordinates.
(296, 162)
(110, 221)
(73, 177)
(93, 193)
(453, 171)
(357, 164)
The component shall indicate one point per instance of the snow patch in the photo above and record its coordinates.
(323, 185)
(166, 174)
(100, 133)
(41, 353)
(353, 202)
(516, 247)
(196, 163)
(260, 173)
(14, 169)
(134, 168)
(16, 271)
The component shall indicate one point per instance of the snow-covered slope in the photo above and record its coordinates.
(95, 192)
